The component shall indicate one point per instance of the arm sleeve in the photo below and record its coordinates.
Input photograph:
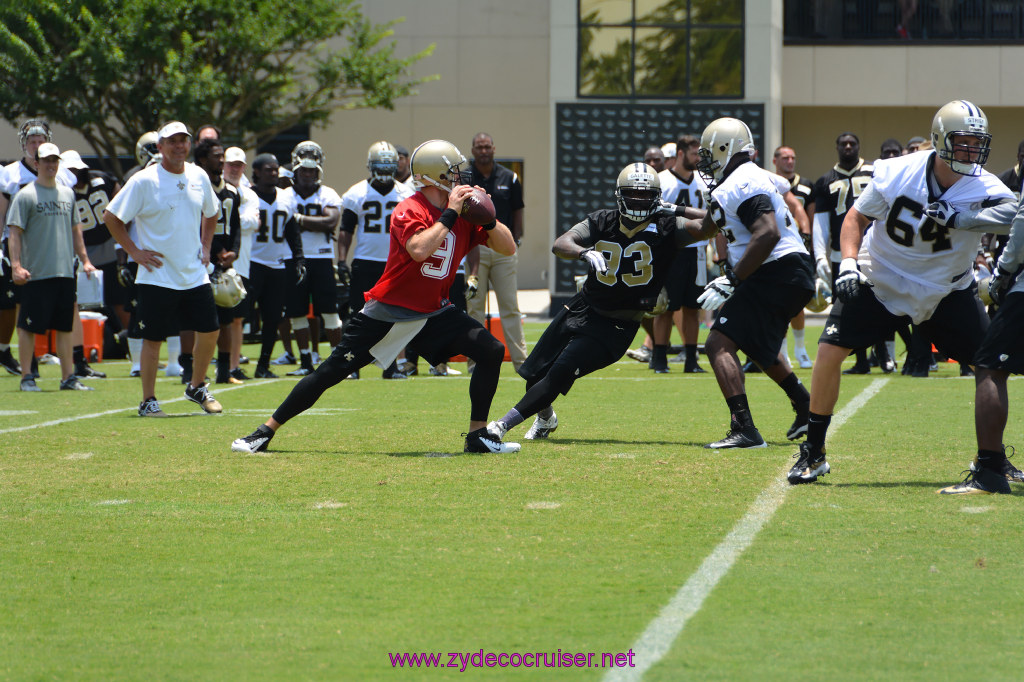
(292, 236)
(349, 221)
(1013, 253)
(753, 208)
(995, 219)
(820, 234)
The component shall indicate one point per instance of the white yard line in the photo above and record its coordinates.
(657, 639)
(93, 415)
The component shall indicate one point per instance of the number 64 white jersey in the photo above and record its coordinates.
(913, 262)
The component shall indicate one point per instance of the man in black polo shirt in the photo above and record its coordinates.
(488, 268)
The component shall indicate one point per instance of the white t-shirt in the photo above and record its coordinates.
(912, 262)
(373, 209)
(744, 183)
(318, 244)
(168, 209)
(269, 246)
(677, 191)
(249, 214)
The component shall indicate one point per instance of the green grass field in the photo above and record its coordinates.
(145, 550)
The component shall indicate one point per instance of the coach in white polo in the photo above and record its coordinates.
(175, 212)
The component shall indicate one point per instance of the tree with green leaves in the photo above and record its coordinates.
(113, 69)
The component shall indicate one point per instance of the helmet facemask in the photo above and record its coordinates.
(977, 155)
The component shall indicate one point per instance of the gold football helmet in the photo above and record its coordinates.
(228, 290)
(33, 126)
(145, 148)
(437, 163)
(637, 192)
(722, 139)
(822, 292)
(961, 117)
(382, 161)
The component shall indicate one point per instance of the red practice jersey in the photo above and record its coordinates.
(422, 286)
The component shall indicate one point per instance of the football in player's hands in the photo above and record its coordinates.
(478, 208)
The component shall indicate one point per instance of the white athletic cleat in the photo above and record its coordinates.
(803, 358)
(542, 428)
(482, 440)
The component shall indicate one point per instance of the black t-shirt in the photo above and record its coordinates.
(505, 189)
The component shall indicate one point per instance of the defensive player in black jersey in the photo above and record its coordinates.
(209, 155)
(628, 251)
(834, 194)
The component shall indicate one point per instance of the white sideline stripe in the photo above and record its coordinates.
(657, 639)
(93, 415)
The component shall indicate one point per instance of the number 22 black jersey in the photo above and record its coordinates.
(638, 262)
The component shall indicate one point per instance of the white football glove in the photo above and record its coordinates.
(823, 269)
(716, 293)
(595, 260)
(666, 208)
(942, 213)
(850, 280)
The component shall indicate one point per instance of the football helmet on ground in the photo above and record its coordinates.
(145, 148)
(721, 140)
(382, 161)
(961, 117)
(33, 126)
(438, 163)
(638, 192)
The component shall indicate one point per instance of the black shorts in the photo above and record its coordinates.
(445, 335)
(266, 286)
(226, 316)
(165, 312)
(580, 337)
(48, 304)
(757, 316)
(318, 287)
(10, 293)
(681, 283)
(113, 293)
(956, 327)
(365, 274)
(1001, 347)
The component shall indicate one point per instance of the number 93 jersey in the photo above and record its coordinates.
(912, 261)
(638, 260)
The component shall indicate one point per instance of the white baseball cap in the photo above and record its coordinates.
(73, 160)
(234, 155)
(668, 150)
(173, 128)
(46, 150)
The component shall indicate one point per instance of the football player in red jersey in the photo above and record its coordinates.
(409, 304)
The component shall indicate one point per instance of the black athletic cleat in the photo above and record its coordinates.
(799, 427)
(1012, 473)
(29, 384)
(239, 374)
(256, 441)
(751, 368)
(8, 362)
(72, 383)
(482, 441)
(745, 439)
(809, 465)
(84, 371)
(150, 408)
(264, 373)
(301, 371)
(696, 369)
(202, 397)
(984, 481)
(661, 369)
(858, 368)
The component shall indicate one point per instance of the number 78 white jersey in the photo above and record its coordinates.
(912, 261)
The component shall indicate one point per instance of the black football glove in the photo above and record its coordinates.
(124, 276)
(342, 274)
(850, 280)
(300, 270)
(999, 285)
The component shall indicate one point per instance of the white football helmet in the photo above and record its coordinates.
(638, 192)
(309, 154)
(961, 117)
(382, 161)
(228, 290)
(33, 126)
(437, 163)
(721, 140)
(145, 148)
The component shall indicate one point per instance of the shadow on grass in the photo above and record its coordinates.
(437, 454)
(932, 485)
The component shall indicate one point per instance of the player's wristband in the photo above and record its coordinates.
(448, 218)
(490, 226)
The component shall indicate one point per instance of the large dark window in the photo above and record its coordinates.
(891, 21)
(661, 48)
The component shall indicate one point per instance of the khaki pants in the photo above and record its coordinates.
(499, 272)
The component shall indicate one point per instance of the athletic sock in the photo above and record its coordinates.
(739, 408)
(78, 355)
(547, 413)
(173, 350)
(659, 356)
(798, 340)
(795, 391)
(691, 355)
(817, 427)
(512, 419)
(991, 459)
